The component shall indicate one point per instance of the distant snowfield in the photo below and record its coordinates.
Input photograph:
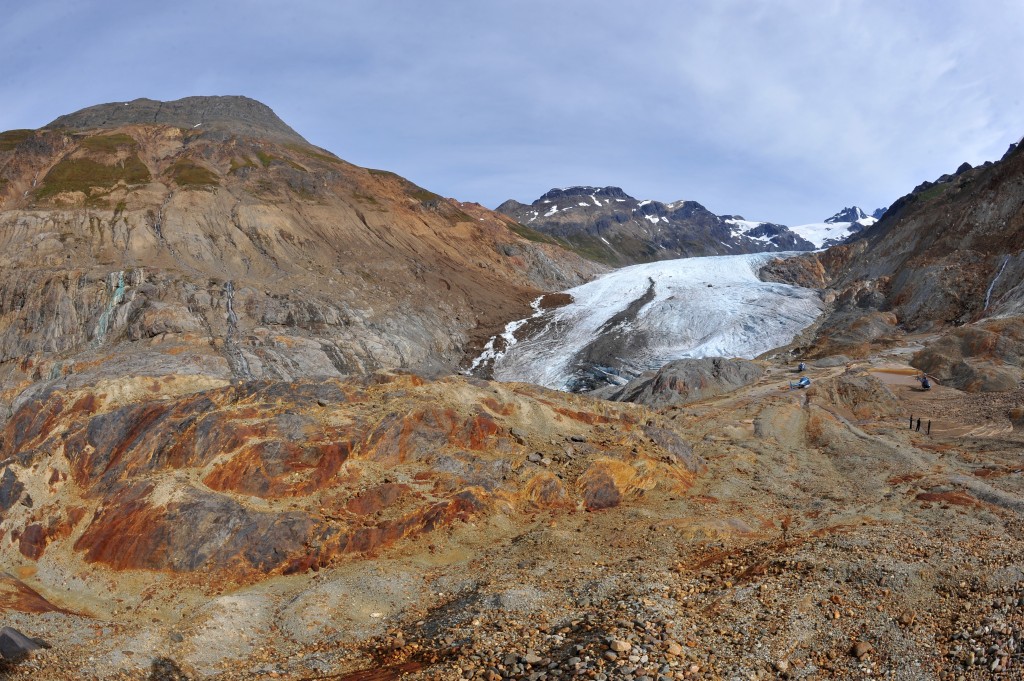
(641, 317)
(820, 232)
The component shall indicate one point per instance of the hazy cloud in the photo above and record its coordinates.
(783, 110)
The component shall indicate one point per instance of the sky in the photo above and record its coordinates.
(781, 110)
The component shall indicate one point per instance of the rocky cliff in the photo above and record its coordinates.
(608, 225)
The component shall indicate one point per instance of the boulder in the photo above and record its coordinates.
(983, 357)
(14, 645)
(689, 380)
(1016, 416)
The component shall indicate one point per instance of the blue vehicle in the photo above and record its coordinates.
(802, 383)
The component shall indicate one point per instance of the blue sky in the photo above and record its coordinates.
(783, 110)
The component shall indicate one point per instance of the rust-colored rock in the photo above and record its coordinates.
(264, 477)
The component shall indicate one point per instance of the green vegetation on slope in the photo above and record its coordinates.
(266, 159)
(82, 175)
(109, 143)
(582, 245)
(240, 163)
(12, 138)
(188, 174)
(313, 152)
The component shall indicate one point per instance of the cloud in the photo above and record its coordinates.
(784, 111)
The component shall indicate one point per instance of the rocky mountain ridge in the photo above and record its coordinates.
(609, 226)
(946, 260)
(229, 115)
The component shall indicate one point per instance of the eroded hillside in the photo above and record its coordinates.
(235, 250)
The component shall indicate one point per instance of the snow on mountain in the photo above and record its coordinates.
(837, 228)
(640, 317)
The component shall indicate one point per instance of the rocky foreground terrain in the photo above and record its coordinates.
(467, 529)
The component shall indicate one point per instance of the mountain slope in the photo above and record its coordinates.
(947, 254)
(950, 251)
(235, 249)
(608, 225)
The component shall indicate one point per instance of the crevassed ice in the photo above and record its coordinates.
(737, 316)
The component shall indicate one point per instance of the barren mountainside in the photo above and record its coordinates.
(234, 249)
(945, 259)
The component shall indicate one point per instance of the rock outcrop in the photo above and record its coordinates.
(257, 478)
(982, 357)
(228, 115)
(948, 253)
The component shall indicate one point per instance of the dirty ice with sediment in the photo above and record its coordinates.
(638, 318)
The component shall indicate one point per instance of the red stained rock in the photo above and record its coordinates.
(957, 498)
(278, 441)
(376, 499)
(601, 492)
(17, 596)
(33, 541)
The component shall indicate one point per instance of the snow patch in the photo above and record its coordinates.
(490, 354)
(744, 225)
(554, 209)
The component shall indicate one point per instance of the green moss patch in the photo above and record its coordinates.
(266, 159)
(12, 138)
(533, 235)
(239, 164)
(185, 173)
(932, 193)
(109, 143)
(423, 195)
(83, 175)
(313, 152)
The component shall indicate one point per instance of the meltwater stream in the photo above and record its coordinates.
(641, 317)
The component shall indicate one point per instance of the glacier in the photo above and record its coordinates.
(638, 318)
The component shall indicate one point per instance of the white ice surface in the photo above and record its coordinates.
(738, 316)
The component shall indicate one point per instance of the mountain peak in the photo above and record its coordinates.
(851, 214)
(582, 190)
(235, 115)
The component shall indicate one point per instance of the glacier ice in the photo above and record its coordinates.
(641, 317)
